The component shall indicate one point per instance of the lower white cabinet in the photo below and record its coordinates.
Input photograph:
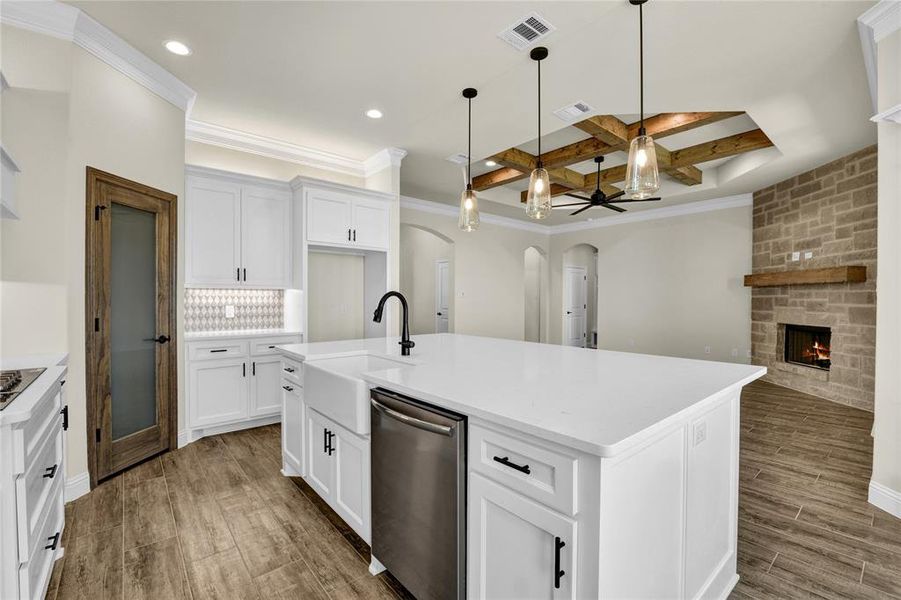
(234, 383)
(517, 547)
(337, 468)
(293, 410)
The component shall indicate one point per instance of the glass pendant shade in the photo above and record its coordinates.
(642, 176)
(469, 210)
(538, 200)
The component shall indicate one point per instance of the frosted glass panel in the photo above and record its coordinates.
(132, 319)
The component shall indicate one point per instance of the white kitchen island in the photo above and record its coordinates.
(633, 461)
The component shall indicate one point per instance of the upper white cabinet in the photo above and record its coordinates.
(340, 219)
(237, 233)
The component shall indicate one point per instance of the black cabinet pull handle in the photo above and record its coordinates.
(355, 235)
(245, 274)
(65, 413)
(254, 368)
(288, 388)
(331, 448)
(289, 369)
(238, 273)
(54, 541)
(271, 347)
(506, 462)
(558, 573)
(219, 350)
(324, 439)
(50, 472)
(348, 234)
(243, 369)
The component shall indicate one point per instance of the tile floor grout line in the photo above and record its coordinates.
(862, 570)
(772, 562)
(184, 566)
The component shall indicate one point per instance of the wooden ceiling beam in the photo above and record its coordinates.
(523, 161)
(721, 148)
(687, 175)
(576, 153)
(497, 178)
(665, 124)
(607, 129)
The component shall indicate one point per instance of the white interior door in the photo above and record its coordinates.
(442, 296)
(575, 305)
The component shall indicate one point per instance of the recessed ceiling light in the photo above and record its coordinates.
(176, 47)
(374, 113)
(490, 163)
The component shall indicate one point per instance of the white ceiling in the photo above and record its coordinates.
(304, 72)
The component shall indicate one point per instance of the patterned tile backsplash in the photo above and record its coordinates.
(254, 309)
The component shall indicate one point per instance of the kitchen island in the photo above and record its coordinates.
(632, 489)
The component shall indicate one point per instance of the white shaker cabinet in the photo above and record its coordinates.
(522, 549)
(293, 411)
(343, 219)
(237, 231)
(319, 450)
(265, 374)
(218, 392)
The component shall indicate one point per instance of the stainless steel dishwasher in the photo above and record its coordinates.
(419, 495)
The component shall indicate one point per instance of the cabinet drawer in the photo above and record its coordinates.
(549, 476)
(35, 573)
(213, 349)
(34, 487)
(266, 345)
(292, 370)
(29, 437)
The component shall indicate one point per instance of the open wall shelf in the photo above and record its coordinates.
(848, 274)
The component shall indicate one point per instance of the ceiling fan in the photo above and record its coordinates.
(599, 198)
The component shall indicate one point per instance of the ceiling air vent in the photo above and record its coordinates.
(459, 158)
(527, 31)
(573, 111)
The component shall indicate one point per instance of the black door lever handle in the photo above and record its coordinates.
(159, 340)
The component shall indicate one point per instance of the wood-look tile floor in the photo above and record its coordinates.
(216, 519)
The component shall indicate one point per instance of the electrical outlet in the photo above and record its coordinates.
(735, 353)
(796, 256)
(706, 349)
(808, 255)
(700, 432)
(229, 311)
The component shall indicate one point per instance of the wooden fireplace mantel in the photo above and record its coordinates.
(848, 274)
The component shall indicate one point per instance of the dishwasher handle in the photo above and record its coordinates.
(419, 423)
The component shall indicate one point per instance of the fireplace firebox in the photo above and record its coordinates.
(808, 345)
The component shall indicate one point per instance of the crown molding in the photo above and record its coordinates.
(383, 159)
(890, 114)
(652, 214)
(69, 23)
(875, 24)
(239, 178)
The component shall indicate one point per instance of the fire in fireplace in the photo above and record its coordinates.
(807, 345)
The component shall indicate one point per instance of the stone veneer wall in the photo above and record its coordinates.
(830, 211)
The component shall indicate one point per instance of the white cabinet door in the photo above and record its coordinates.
(318, 454)
(265, 237)
(370, 224)
(292, 427)
(218, 392)
(329, 218)
(212, 232)
(352, 483)
(265, 375)
(515, 546)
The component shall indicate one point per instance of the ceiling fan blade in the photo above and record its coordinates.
(613, 207)
(642, 200)
(568, 205)
(583, 209)
(579, 197)
(616, 195)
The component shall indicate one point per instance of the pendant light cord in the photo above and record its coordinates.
(641, 130)
(469, 147)
(539, 115)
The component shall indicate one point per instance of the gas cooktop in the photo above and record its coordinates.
(14, 382)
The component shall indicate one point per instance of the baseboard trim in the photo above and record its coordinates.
(77, 486)
(885, 498)
(187, 436)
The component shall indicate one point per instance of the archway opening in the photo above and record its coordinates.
(580, 296)
(427, 278)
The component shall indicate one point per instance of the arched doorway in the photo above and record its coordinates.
(427, 278)
(580, 296)
(535, 300)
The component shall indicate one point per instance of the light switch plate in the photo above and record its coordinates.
(796, 256)
(808, 255)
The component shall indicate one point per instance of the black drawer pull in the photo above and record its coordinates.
(558, 573)
(65, 413)
(50, 472)
(219, 350)
(271, 347)
(288, 388)
(331, 448)
(54, 542)
(289, 369)
(506, 462)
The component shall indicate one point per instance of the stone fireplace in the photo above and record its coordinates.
(830, 213)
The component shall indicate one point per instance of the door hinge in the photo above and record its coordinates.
(97, 434)
(97, 210)
(96, 324)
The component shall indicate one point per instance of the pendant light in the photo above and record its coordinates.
(642, 177)
(538, 200)
(469, 203)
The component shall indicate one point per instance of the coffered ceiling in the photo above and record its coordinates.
(305, 73)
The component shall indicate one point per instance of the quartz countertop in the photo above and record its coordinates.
(191, 336)
(596, 401)
(22, 406)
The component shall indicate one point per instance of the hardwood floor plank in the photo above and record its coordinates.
(294, 580)
(881, 579)
(155, 571)
(819, 581)
(365, 588)
(148, 515)
(263, 542)
(149, 469)
(99, 510)
(202, 529)
(221, 576)
(93, 567)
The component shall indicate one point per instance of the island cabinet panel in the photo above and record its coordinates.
(518, 548)
(320, 474)
(292, 427)
(352, 474)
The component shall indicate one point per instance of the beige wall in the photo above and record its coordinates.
(335, 296)
(113, 124)
(419, 251)
(584, 255)
(535, 293)
(489, 273)
(887, 418)
(668, 286)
